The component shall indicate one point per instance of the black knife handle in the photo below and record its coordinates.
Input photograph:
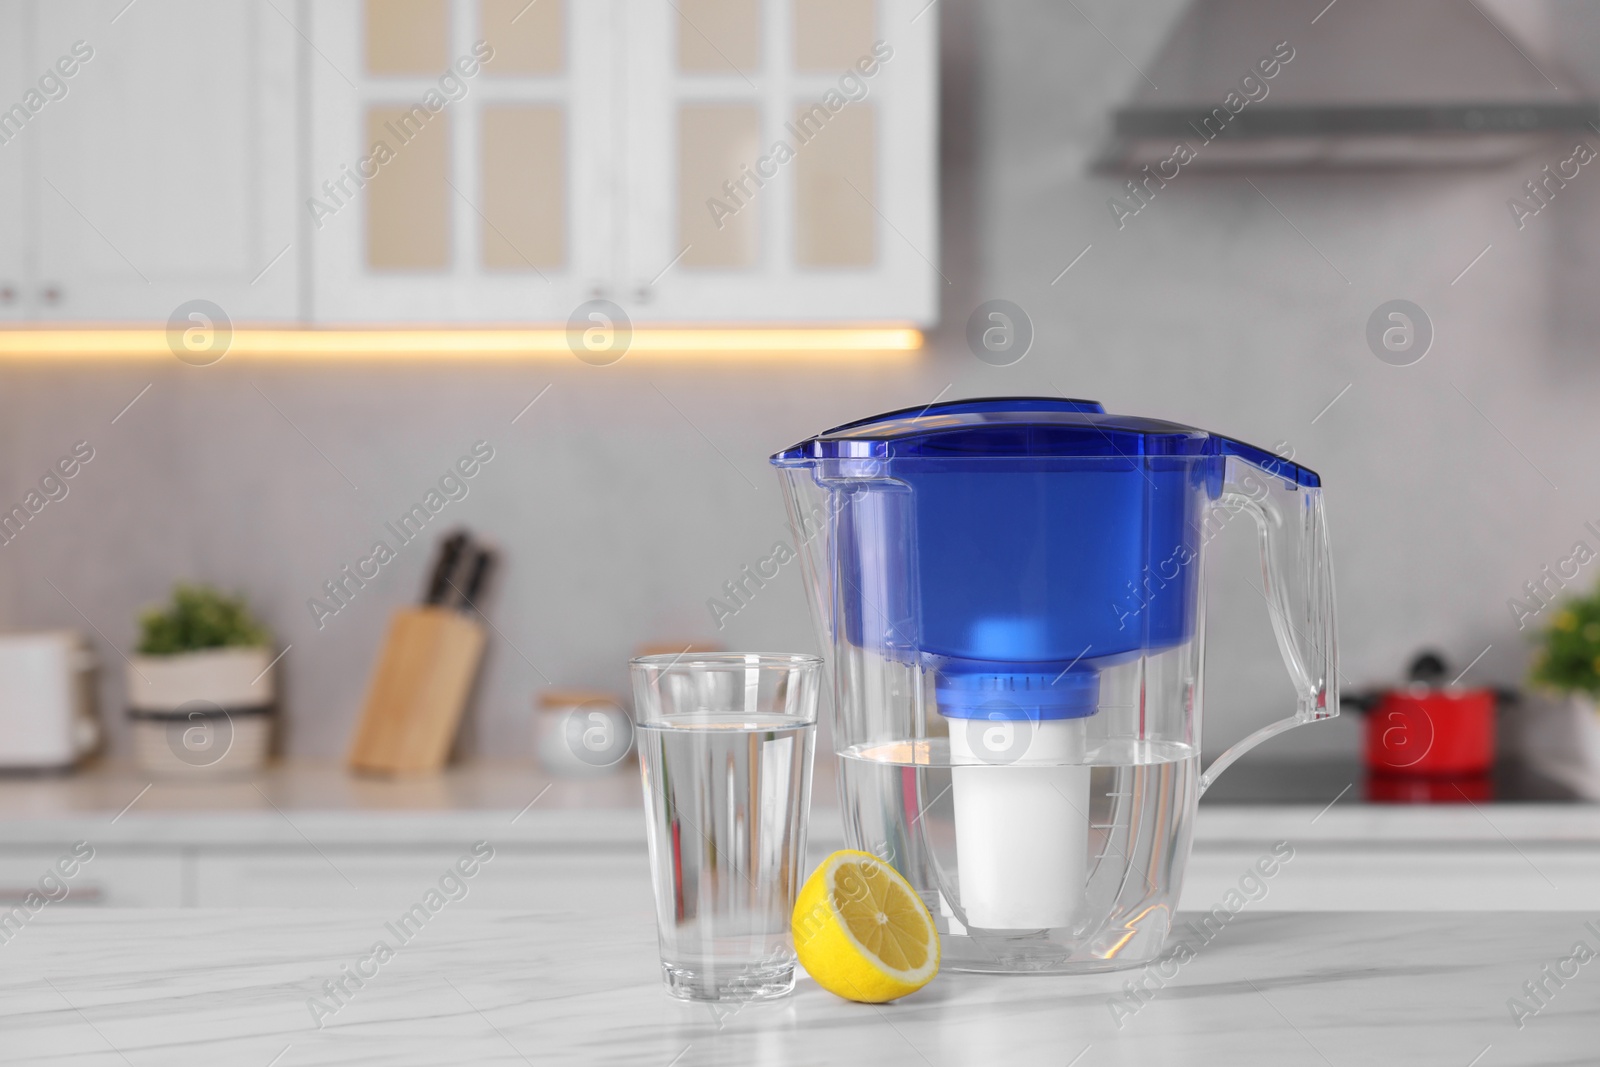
(450, 551)
(477, 577)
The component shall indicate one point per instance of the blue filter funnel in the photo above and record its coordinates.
(1019, 546)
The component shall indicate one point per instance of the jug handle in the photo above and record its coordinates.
(1297, 577)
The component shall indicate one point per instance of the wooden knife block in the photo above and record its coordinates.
(419, 689)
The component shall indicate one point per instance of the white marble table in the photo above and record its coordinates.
(572, 986)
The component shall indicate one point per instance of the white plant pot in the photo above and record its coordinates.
(202, 714)
(1561, 738)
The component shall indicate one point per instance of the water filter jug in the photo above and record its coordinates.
(1011, 593)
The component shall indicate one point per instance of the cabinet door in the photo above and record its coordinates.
(166, 172)
(390, 881)
(16, 149)
(117, 878)
(461, 159)
(782, 160)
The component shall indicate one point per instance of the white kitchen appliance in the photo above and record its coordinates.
(47, 717)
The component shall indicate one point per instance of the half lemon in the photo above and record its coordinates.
(862, 932)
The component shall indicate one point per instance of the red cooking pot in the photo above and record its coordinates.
(1417, 789)
(1429, 729)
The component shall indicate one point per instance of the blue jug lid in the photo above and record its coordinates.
(1027, 426)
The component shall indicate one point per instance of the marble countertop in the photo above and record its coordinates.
(291, 803)
(576, 986)
(325, 802)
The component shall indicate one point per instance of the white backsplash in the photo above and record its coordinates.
(1450, 482)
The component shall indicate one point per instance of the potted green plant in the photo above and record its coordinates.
(1564, 732)
(1567, 660)
(200, 688)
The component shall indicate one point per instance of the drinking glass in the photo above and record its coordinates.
(725, 747)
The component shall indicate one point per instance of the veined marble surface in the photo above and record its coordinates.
(577, 986)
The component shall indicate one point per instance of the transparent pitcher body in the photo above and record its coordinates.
(1016, 642)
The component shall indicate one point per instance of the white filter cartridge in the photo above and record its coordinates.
(1021, 795)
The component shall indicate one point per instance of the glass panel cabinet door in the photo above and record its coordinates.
(462, 158)
(741, 161)
(781, 161)
(163, 165)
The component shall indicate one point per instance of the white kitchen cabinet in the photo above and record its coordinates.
(394, 880)
(16, 212)
(536, 155)
(166, 171)
(114, 877)
(279, 878)
(626, 150)
(1438, 875)
(782, 160)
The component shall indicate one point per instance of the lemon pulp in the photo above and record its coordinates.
(862, 932)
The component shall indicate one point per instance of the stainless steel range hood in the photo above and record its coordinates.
(1371, 83)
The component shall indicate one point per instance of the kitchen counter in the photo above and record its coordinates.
(313, 836)
(519, 803)
(577, 984)
(288, 802)
(1261, 782)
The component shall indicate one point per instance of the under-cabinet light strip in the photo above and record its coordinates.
(494, 344)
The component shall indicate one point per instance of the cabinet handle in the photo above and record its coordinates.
(8, 293)
(10, 896)
(50, 294)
